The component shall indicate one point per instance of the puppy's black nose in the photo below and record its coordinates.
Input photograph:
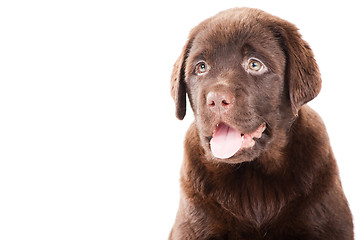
(219, 101)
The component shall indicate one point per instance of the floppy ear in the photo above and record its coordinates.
(302, 73)
(178, 87)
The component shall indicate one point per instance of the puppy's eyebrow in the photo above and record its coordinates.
(250, 51)
(196, 58)
(199, 54)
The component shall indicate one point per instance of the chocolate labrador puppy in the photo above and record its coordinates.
(258, 164)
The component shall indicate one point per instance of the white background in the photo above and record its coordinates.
(89, 144)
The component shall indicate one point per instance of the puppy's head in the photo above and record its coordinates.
(247, 74)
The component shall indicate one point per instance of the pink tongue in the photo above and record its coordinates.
(225, 142)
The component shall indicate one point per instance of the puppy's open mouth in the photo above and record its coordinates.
(227, 141)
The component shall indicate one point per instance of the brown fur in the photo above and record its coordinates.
(287, 185)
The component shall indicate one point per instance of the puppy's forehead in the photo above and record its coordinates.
(228, 29)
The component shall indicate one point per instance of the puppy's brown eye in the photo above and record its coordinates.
(201, 68)
(255, 65)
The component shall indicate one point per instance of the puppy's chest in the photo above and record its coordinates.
(252, 200)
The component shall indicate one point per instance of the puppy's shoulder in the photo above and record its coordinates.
(193, 153)
(309, 134)
(310, 122)
(192, 137)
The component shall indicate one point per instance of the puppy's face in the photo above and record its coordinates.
(235, 82)
(236, 69)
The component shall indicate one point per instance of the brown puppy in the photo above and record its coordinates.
(258, 164)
